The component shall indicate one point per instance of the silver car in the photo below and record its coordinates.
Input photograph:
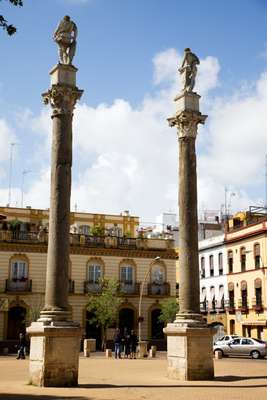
(255, 348)
(226, 339)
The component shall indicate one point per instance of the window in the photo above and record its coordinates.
(230, 261)
(243, 259)
(220, 262)
(235, 342)
(19, 270)
(158, 274)
(257, 256)
(202, 267)
(258, 294)
(84, 229)
(231, 298)
(211, 265)
(94, 273)
(247, 342)
(212, 297)
(244, 296)
(127, 274)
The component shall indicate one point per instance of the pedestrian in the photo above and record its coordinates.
(21, 346)
(133, 344)
(127, 342)
(117, 343)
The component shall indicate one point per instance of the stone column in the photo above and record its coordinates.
(55, 338)
(190, 355)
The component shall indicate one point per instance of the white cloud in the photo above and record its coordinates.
(127, 156)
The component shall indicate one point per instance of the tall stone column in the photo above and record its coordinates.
(190, 353)
(55, 338)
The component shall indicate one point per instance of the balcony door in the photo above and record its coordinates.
(16, 323)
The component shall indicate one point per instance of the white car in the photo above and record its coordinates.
(226, 339)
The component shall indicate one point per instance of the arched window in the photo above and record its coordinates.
(212, 298)
(94, 271)
(257, 256)
(211, 259)
(204, 299)
(158, 274)
(127, 274)
(258, 292)
(19, 269)
(243, 258)
(18, 275)
(221, 296)
(230, 261)
(231, 295)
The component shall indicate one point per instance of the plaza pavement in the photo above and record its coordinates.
(110, 379)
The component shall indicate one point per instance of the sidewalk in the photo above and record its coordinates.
(109, 379)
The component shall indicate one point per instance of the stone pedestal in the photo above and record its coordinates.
(54, 354)
(190, 355)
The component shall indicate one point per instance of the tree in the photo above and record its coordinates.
(169, 309)
(3, 22)
(104, 307)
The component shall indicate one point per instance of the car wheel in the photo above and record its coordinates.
(255, 354)
(219, 352)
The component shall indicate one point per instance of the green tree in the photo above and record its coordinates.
(3, 22)
(98, 230)
(104, 307)
(169, 309)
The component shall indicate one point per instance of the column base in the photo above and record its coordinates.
(189, 351)
(54, 353)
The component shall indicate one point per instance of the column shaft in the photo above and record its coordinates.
(56, 297)
(188, 228)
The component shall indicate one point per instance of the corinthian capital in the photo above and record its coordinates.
(187, 123)
(62, 98)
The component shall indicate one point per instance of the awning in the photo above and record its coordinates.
(254, 323)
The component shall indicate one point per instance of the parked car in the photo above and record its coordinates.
(241, 346)
(226, 339)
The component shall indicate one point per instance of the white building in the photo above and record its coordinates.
(213, 275)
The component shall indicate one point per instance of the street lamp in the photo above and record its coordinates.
(140, 318)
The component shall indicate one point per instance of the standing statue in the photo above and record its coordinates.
(189, 70)
(65, 36)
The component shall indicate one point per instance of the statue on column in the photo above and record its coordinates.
(188, 70)
(65, 36)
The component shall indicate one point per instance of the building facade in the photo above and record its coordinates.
(213, 280)
(246, 241)
(101, 246)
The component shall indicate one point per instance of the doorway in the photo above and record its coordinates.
(16, 322)
(126, 319)
(156, 325)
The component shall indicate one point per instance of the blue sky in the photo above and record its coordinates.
(118, 45)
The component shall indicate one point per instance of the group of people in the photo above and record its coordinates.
(125, 344)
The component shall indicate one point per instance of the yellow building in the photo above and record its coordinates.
(101, 246)
(246, 245)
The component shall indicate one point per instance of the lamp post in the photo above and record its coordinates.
(140, 319)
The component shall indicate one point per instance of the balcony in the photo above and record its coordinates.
(257, 304)
(220, 306)
(71, 286)
(90, 241)
(243, 305)
(16, 285)
(92, 287)
(230, 306)
(158, 289)
(130, 288)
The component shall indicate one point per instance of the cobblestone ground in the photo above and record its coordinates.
(109, 379)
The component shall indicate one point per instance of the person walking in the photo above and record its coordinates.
(117, 343)
(133, 341)
(127, 350)
(21, 347)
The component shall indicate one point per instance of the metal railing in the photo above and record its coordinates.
(158, 289)
(18, 285)
(92, 287)
(129, 288)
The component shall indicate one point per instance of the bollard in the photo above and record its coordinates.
(152, 352)
(86, 348)
(108, 353)
(218, 355)
(142, 349)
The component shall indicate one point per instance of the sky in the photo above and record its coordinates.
(125, 157)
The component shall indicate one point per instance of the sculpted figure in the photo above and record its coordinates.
(189, 70)
(65, 36)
